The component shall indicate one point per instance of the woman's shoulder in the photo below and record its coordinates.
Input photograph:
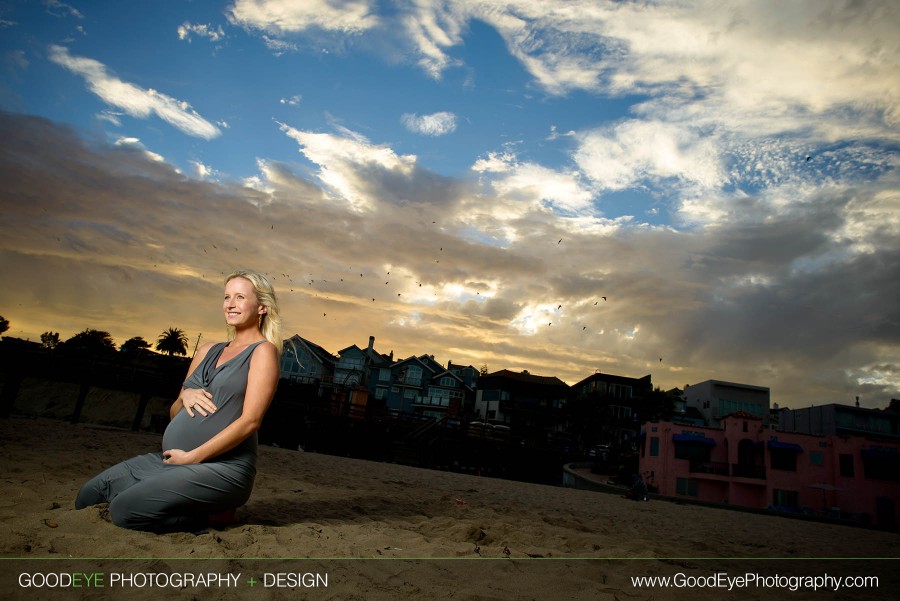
(266, 348)
(206, 347)
(204, 350)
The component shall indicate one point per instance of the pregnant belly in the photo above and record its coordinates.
(187, 433)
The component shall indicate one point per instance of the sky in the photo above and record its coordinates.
(692, 190)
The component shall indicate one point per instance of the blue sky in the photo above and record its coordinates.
(724, 173)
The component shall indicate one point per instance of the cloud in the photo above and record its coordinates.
(292, 101)
(435, 124)
(280, 17)
(623, 155)
(366, 175)
(137, 144)
(787, 290)
(186, 29)
(61, 9)
(132, 99)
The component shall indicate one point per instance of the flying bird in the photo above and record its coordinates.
(560, 240)
(559, 307)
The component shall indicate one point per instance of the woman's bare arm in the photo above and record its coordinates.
(179, 402)
(262, 381)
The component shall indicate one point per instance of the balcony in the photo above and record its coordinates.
(431, 401)
(715, 468)
(757, 472)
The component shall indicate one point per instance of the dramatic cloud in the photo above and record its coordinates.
(787, 289)
(133, 99)
(727, 179)
(436, 124)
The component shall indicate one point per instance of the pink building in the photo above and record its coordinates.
(749, 464)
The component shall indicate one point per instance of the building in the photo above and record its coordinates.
(744, 462)
(681, 413)
(715, 399)
(304, 362)
(621, 416)
(351, 372)
(841, 420)
(525, 403)
(420, 386)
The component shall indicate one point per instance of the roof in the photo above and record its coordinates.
(321, 354)
(742, 415)
(524, 376)
(614, 379)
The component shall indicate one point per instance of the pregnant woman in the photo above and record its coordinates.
(208, 459)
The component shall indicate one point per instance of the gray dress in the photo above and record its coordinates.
(144, 493)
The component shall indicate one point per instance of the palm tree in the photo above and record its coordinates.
(172, 342)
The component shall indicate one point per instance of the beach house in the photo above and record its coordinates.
(527, 404)
(747, 463)
(714, 399)
(304, 362)
(421, 386)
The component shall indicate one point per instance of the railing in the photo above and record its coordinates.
(718, 468)
(432, 401)
(748, 471)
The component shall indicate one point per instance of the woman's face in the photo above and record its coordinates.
(241, 306)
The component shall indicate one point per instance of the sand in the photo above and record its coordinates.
(386, 531)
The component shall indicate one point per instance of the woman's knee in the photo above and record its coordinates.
(88, 495)
(125, 516)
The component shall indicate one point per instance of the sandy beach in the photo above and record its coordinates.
(386, 531)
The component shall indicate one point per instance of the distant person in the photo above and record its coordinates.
(638, 490)
(208, 461)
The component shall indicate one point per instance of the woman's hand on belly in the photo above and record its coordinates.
(177, 457)
(199, 400)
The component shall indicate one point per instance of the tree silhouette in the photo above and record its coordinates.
(172, 342)
(90, 340)
(50, 340)
(135, 344)
(4, 324)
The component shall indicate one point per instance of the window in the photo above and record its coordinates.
(654, 446)
(881, 463)
(448, 382)
(815, 458)
(745, 426)
(409, 393)
(694, 452)
(620, 391)
(380, 393)
(846, 461)
(413, 376)
(686, 487)
(785, 498)
(384, 375)
(783, 459)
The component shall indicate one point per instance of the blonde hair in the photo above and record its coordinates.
(270, 321)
